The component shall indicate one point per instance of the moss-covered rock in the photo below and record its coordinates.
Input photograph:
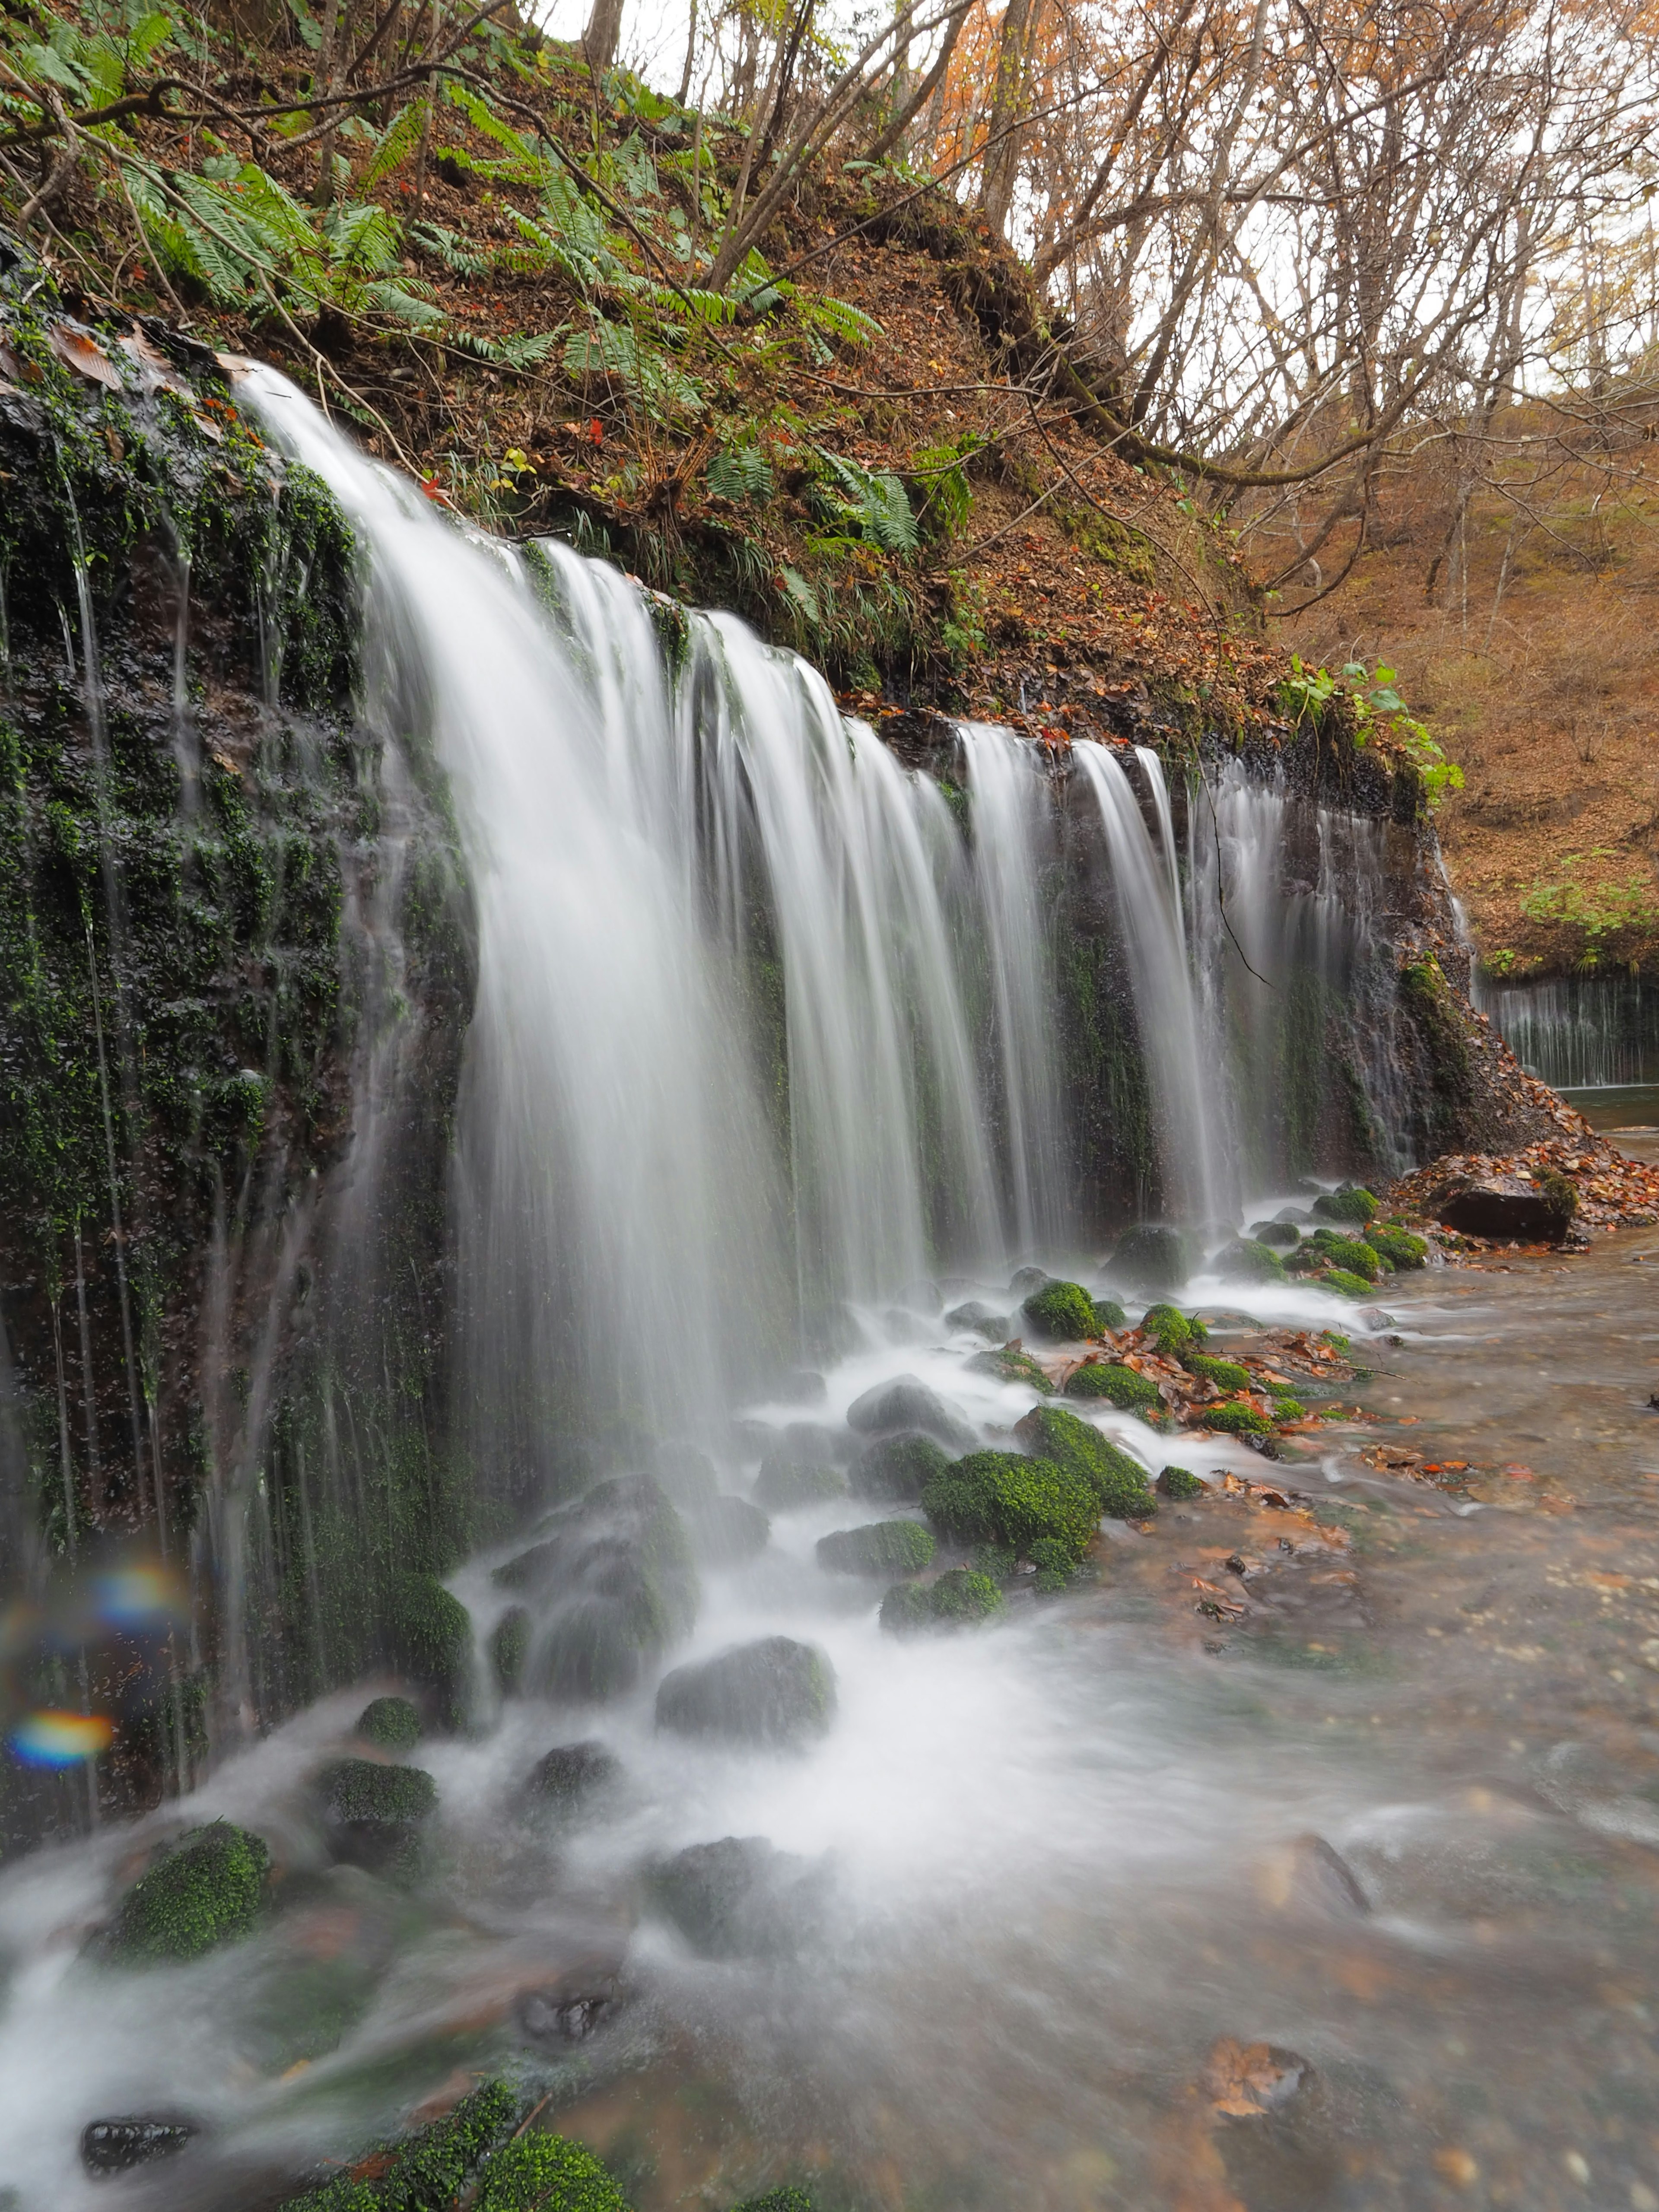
(906, 1402)
(1345, 1284)
(1126, 1388)
(1177, 1482)
(1004, 1498)
(978, 1320)
(897, 1469)
(1170, 1329)
(1225, 1374)
(1012, 1365)
(509, 1648)
(1244, 1258)
(727, 1532)
(1287, 1409)
(773, 1693)
(1153, 1259)
(739, 1898)
(1235, 1420)
(1398, 1245)
(788, 1486)
(1056, 1570)
(1353, 1254)
(1062, 1313)
(206, 1890)
(392, 1722)
(881, 1547)
(955, 1600)
(1110, 1315)
(432, 1642)
(1118, 1482)
(428, 2170)
(777, 2200)
(1354, 1205)
(374, 1813)
(905, 1609)
(568, 1779)
(1282, 1235)
(547, 2174)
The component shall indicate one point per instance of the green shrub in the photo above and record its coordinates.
(1011, 1366)
(1062, 1312)
(1225, 1374)
(1345, 1284)
(1001, 1497)
(1118, 1482)
(881, 1547)
(1236, 1420)
(206, 1891)
(547, 2174)
(1180, 1482)
(1056, 1570)
(1126, 1388)
(1110, 1315)
(1399, 1245)
(1356, 1205)
(392, 1722)
(1168, 1329)
(1351, 1253)
(777, 2200)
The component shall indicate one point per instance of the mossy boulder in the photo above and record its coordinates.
(788, 1486)
(739, 1898)
(1354, 1205)
(881, 1547)
(509, 1648)
(431, 1643)
(428, 2169)
(1012, 1365)
(1352, 1253)
(1056, 1570)
(1235, 1420)
(775, 1692)
(1004, 1498)
(392, 1722)
(374, 1813)
(907, 1402)
(1287, 1409)
(978, 1320)
(1252, 1262)
(1126, 1388)
(1398, 1245)
(1282, 1235)
(568, 1779)
(1180, 1482)
(777, 2200)
(727, 1532)
(1170, 1329)
(898, 1468)
(1119, 1483)
(207, 1889)
(1062, 1313)
(687, 1474)
(955, 1600)
(1345, 1284)
(1152, 1258)
(1110, 1315)
(1225, 1374)
(546, 2174)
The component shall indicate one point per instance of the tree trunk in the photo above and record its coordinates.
(996, 192)
(603, 30)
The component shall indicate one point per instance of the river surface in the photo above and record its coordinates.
(1310, 1858)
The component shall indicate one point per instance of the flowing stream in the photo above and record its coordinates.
(766, 1089)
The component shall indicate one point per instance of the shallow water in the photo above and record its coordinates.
(1063, 1857)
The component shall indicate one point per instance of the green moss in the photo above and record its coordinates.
(1154, 1258)
(1345, 1284)
(1109, 1314)
(1181, 1482)
(1169, 1329)
(353, 1789)
(1561, 1192)
(1337, 1342)
(899, 1468)
(547, 2174)
(777, 2200)
(1056, 1569)
(1399, 1245)
(785, 1485)
(905, 1609)
(1009, 1365)
(1258, 1263)
(206, 1890)
(1287, 1409)
(1225, 1374)
(1236, 1420)
(392, 1722)
(432, 1641)
(1064, 1313)
(510, 1647)
(882, 1547)
(1126, 1388)
(1351, 1252)
(961, 1596)
(1004, 1498)
(1356, 1205)
(1118, 1482)
(428, 2171)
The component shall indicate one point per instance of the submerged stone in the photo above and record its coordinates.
(510, 1647)
(392, 1722)
(955, 1600)
(739, 1898)
(882, 1547)
(1028, 1279)
(116, 2146)
(569, 1777)
(1244, 1257)
(687, 1474)
(907, 1402)
(1152, 1258)
(775, 1692)
(206, 1890)
(726, 1532)
(898, 1468)
(1011, 1365)
(980, 1319)
(785, 1485)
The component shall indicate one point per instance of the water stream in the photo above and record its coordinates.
(764, 1087)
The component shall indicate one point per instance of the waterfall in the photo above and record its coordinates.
(1578, 1032)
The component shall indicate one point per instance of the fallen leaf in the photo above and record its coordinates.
(80, 351)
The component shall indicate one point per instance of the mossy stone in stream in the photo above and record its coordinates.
(1109, 1314)
(510, 1647)
(392, 1722)
(1062, 1312)
(1282, 1235)
(1006, 1497)
(726, 1532)
(955, 1600)
(1256, 1263)
(1225, 1374)
(374, 1813)
(777, 2200)
(614, 1581)
(981, 1320)
(1152, 1258)
(1351, 1205)
(786, 1484)
(1398, 1244)
(1236, 1420)
(904, 1610)
(1056, 1570)
(899, 1468)
(774, 1693)
(1352, 1254)
(432, 1642)
(206, 1890)
(566, 1780)
(1126, 1388)
(425, 2171)
(1170, 1329)
(1011, 1365)
(1180, 1482)
(1345, 1284)
(739, 1898)
(1287, 1409)
(881, 1547)
(547, 2174)
(1119, 1483)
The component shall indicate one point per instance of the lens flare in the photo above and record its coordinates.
(136, 1597)
(55, 1739)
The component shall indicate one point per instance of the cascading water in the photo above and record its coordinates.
(1590, 1032)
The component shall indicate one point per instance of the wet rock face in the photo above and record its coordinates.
(610, 1588)
(776, 1695)
(1506, 1207)
(739, 1898)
